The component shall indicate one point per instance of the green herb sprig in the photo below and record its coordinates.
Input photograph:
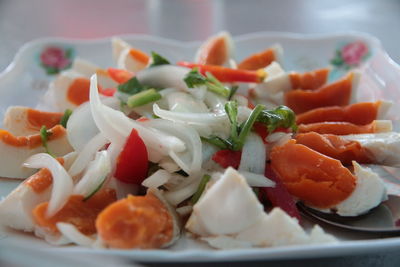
(158, 60)
(282, 116)
(195, 79)
(206, 178)
(137, 93)
(65, 117)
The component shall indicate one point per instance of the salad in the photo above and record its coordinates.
(138, 155)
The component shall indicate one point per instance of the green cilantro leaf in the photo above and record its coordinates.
(131, 87)
(158, 60)
(195, 79)
(143, 98)
(218, 142)
(281, 116)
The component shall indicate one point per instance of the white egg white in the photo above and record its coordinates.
(12, 157)
(229, 215)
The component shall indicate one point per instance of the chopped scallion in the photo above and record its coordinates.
(218, 142)
(44, 135)
(143, 98)
(247, 125)
(96, 189)
(231, 109)
(65, 117)
(206, 178)
(216, 86)
(232, 91)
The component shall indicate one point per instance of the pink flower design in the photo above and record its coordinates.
(55, 59)
(353, 53)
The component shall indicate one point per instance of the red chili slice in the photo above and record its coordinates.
(279, 195)
(228, 75)
(132, 162)
(227, 158)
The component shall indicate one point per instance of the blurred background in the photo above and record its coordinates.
(191, 20)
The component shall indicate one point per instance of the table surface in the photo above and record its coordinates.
(189, 20)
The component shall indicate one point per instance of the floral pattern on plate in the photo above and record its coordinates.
(55, 58)
(351, 55)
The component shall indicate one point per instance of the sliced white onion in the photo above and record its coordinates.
(243, 113)
(114, 125)
(241, 100)
(215, 102)
(69, 159)
(169, 165)
(202, 129)
(144, 111)
(74, 235)
(177, 196)
(278, 138)
(184, 102)
(87, 154)
(190, 160)
(122, 189)
(97, 171)
(253, 155)
(207, 151)
(175, 181)
(189, 117)
(62, 181)
(157, 179)
(164, 76)
(56, 240)
(199, 92)
(81, 127)
(114, 150)
(257, 180)
(167, 91)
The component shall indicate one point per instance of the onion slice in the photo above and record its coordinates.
(62, 181)
(157, 179)
(188, 117)
(253, 155)
(72, 233)
(179, 195)
(96, 173)
(87, 154)
(81, 127)
(164, 76)
(190, 161)
(257, 180)
(115, 126)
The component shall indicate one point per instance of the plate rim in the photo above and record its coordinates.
(286, 252)
(185, 44)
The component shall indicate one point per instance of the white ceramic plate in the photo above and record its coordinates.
(25, 80)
